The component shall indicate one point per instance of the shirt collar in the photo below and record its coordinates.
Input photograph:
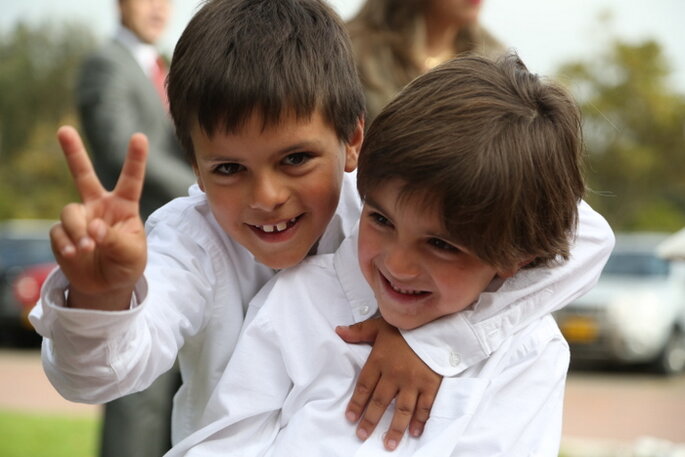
(145, 54)
(357, 290)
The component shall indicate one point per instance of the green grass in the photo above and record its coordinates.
(25, 434)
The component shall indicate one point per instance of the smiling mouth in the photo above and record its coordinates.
(402, 291)
(276, 228)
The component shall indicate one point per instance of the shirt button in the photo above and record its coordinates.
(364, 310)
(455, 360)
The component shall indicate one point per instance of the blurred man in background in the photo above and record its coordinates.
(121, 91)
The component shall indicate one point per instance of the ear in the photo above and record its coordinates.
(509, 272)
(353, 146)
(199, 178)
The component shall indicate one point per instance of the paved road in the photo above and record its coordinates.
(624, 406)
(614, 407)
(24, 387)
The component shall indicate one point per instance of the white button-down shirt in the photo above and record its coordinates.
(285, 390)
(196, 288)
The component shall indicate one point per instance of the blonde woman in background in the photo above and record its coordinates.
(397, 40)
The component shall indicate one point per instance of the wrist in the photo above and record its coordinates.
(112, 300)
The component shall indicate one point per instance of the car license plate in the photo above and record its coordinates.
(579, 329)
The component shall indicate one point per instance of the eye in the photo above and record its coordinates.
(442, 245)
(379, 219)
(228, 169)
(297, 158)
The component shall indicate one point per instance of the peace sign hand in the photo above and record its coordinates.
(100, 243)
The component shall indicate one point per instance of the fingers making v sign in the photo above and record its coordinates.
(100, 243)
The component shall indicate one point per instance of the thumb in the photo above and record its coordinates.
(362, 332)
(98, 230)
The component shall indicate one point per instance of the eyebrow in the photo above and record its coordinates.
(375, 205)
(304, 145)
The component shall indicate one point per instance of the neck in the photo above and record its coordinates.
(440, 34)
(439, 40)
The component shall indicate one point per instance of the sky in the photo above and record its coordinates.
(544, 32)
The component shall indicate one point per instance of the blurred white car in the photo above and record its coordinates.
(636, 312)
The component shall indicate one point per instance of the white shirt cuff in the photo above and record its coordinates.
(84, 322)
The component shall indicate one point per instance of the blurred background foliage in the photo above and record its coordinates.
(634, 124)
(38, 66)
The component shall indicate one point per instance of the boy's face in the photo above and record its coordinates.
(274, 190)
(416, 271)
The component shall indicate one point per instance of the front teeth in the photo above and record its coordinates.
(276, 228)
(404, 291)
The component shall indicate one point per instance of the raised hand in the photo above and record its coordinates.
(100, 243)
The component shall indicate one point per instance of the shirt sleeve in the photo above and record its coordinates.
(95, 356)
(454, 343)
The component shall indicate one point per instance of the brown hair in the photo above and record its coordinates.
(270, 57)
(498, 151)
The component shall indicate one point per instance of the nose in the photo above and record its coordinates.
(268, 193)
(401, 263)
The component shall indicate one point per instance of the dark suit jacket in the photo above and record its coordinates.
(115, 99)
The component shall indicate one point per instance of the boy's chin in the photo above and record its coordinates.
(282, 264)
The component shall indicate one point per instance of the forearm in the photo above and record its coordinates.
(95, 356)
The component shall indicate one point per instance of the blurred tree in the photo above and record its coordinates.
(634, 125)
(38, 66)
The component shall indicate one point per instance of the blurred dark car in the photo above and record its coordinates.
(25, 260)
(636, 312)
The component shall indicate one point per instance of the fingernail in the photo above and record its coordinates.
(391, 444)
(362, 434)
(415, 431)
(85, 243)
(100, 232)
(68, 250)
(352, 417)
